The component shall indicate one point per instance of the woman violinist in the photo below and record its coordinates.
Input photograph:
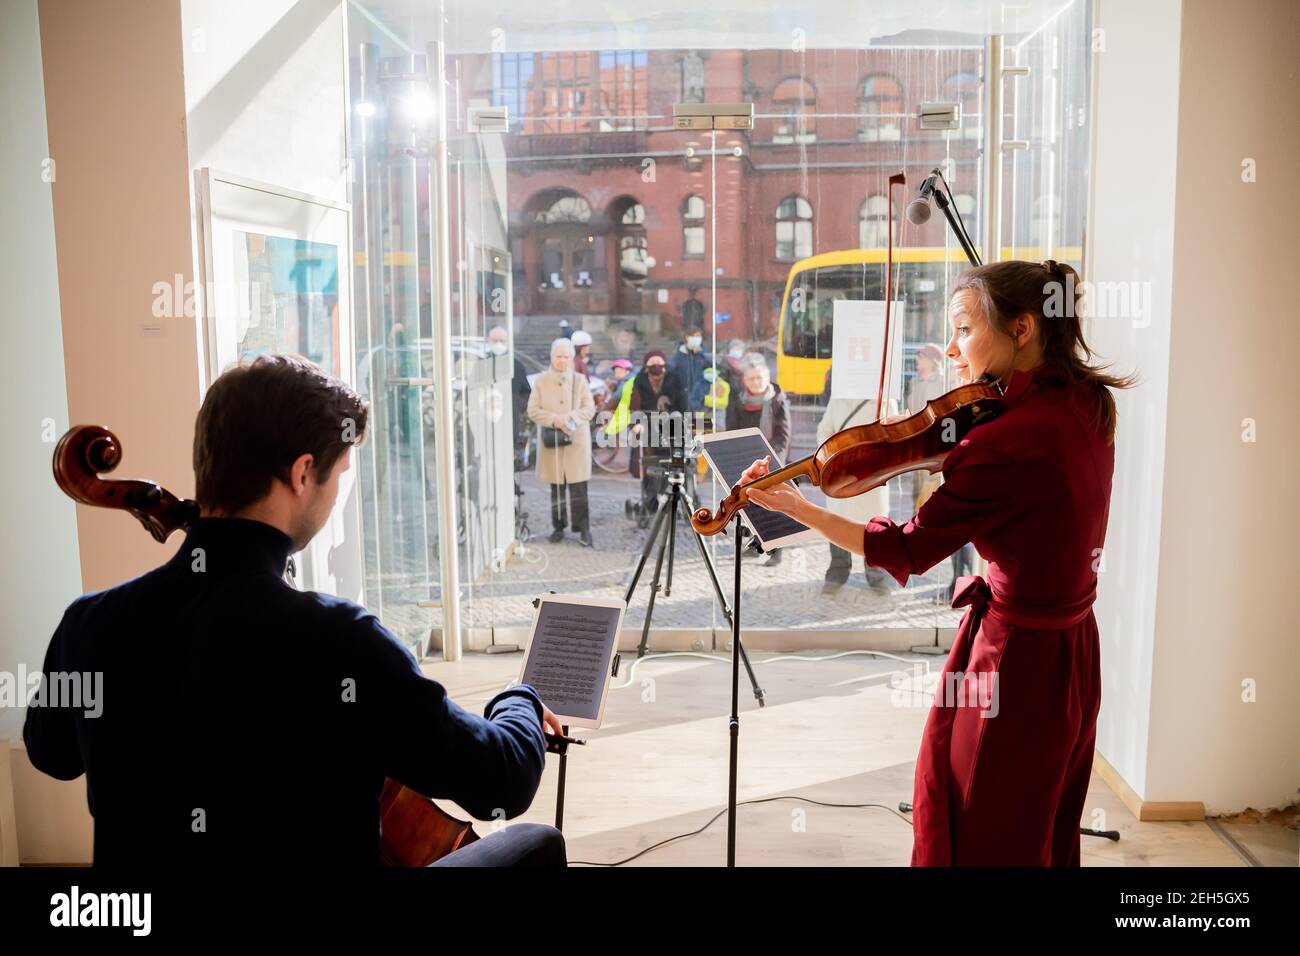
(1006, 755)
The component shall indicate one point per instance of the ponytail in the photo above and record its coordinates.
(1051, 292)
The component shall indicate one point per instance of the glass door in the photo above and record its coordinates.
(390, 148)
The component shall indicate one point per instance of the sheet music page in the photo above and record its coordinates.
(570, 656)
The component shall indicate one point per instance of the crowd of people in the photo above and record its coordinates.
(732, 390)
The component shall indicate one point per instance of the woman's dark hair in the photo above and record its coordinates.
(1050, 291)
(257, 419)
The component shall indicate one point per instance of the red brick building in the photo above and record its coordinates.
(598, 180)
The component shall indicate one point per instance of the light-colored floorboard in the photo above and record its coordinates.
(841, 731)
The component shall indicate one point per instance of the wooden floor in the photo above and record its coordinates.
(833, 731)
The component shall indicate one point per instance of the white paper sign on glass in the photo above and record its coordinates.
(857, 348)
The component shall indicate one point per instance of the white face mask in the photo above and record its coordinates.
(694, 342)
(499, 348)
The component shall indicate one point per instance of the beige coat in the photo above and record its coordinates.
(555, 397)
(865, 506)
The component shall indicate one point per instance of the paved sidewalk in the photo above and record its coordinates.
(786, 596)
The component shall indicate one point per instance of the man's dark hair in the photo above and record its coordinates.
(257, 419)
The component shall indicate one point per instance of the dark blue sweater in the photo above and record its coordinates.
(243, 720)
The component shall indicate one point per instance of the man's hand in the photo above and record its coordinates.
(551, 723)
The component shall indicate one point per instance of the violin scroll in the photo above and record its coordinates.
(707, 522)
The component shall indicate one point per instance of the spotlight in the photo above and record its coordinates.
(419, 106)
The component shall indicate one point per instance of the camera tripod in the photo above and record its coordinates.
(664, 531)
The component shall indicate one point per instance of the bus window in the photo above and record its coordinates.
(810, 305)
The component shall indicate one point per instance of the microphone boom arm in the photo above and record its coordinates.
(966, 246)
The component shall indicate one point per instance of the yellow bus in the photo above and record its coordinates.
(803, 340)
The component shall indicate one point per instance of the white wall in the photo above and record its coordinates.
(1226, 611)
(1196, 594)
(39, 571)
(1130, 239)
(115, 124)
(265, 91)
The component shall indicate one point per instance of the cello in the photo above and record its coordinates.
(414, 831)
(858, 459)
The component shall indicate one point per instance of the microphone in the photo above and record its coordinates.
(918, 210)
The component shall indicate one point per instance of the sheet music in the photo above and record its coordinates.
(570, 656)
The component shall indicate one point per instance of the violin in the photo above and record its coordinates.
(414, 831)
(863, 457)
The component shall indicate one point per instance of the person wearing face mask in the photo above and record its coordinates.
(760, 403)
(655, 391)
(561, 402)
(1031, 489)
(689, 362)
(730, 365)
(498, 343)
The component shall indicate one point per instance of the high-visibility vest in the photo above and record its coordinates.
(719, 394)
(622, 414)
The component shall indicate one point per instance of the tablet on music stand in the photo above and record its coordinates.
(570, 656)
(729, 454)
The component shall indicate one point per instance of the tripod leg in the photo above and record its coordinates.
(645, 553)
(654, 586)
(672, 539)
(759, 693)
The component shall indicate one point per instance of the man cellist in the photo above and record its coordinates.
(243, 719)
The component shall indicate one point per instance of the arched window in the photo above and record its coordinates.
(794, 229)
(568, 208)
(633, 265)
(569, 261)
(881, 103)
(796, 102)
(873, 223)
(693, 226)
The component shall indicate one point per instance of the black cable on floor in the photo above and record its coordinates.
(716, 816)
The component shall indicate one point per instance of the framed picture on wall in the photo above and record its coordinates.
(275, 273)
(275, 269)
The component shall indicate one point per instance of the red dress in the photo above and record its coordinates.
(1005, 759)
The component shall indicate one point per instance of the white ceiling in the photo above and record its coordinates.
(472, 25)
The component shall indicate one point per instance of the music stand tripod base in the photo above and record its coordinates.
(667, 541)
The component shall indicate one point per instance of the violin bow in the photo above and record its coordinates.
(898, 179)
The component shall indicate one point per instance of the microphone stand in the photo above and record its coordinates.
(737, 650)
(941, 201)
